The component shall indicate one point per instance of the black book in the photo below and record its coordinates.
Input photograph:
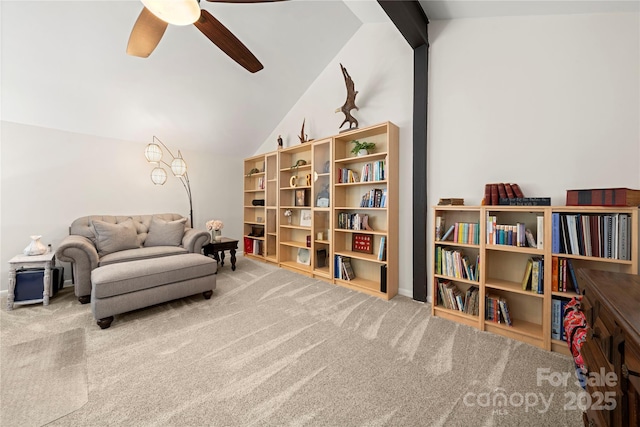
(383, 278)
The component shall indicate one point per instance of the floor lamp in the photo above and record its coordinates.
(178, 166)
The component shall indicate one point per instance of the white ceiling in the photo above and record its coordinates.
(64, 65)
(459, 9)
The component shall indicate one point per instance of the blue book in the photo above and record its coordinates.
(555, 232)
(556, 319)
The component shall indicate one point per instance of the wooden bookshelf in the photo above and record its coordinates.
(501, 266)
(314, 167)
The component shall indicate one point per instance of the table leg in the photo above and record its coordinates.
(12, 287)
(233, 259)
(47, 283)
(221, 258)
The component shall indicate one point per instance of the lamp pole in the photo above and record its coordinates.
(178, 166)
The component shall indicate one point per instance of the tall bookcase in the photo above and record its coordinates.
(307, 184)
(497, 270)
(295, 214)
(260, 207)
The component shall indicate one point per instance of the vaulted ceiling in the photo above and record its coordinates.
(64, 65)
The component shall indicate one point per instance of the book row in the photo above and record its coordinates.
(533, 279)
(452, 298)
(497, 310)
(454, 263)
(374, 198)
(461, 232)
(353, 221)
(563, 276)
(595, 235)
(252, 246)
(494, 192)
(370, 172)
(514, 235)
(343, 270)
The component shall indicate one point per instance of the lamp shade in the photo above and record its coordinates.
(153, 153)
(178, 166)
(158, 176)
(176, 12)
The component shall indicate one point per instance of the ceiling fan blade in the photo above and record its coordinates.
(227, 42)
(146, 34)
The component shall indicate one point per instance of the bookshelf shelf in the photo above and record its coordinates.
(502, 267)
(457, 316)
(508, 286)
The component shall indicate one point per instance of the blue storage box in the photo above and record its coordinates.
(30, 283)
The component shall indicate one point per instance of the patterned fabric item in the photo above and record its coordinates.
(575, 327)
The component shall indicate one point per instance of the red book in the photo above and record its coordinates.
(248, 245)
(494, 194)
(516, 190)
(510, 193)
(487, 194)
(603, 197)
(502, 192)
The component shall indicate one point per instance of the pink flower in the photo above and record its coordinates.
(215, 224)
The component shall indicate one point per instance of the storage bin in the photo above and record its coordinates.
(29, 283)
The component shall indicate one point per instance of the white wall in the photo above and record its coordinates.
(550, 102)
(380, 63)
(51, 177)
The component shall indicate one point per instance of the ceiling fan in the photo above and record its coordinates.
(156, 15)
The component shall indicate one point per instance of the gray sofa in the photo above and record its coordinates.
(102, 240)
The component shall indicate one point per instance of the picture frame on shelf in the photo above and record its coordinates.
(362, 243)
(301, 197)
(303, 256)
(305, 217)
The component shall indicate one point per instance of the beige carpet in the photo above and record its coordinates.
(274, 348)
(43, 379)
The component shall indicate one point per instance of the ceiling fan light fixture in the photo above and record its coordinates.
(176, 12)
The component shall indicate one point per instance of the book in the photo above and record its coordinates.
(494, 194)
(525, 201)
(383, 278)
(502, 193)
(554, 273)
(486, 200)
(449, 232)
(504, 310)
(556, 319)
(347, 269)
(516, 190)
(623, 241)
(509, 190)
(572, 274)
(451, 201)
(535, 273)
(555, 232)
(526, 279)
(540, 235)
(603, 197)
(440, 224)
(382, 250)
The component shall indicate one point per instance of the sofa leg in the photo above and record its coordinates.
(105, 323)
(207, 294)
(84, 299)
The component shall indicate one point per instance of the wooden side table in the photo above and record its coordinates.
(216, 250)
(45, 260)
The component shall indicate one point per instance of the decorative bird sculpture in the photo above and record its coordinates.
(350, 103)
(303, 136)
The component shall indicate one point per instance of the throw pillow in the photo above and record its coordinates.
(165, 233)
(114, 237)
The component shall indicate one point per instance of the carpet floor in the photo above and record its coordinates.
(274, 348)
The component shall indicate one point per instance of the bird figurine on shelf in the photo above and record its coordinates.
(350, 103)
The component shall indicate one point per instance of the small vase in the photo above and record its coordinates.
(289, 219)
(363, 152)
(216, 235)
(36, 247)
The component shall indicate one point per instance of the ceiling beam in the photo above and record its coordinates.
(412, 22)
(410, 19)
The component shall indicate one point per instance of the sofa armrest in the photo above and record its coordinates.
(195, 239)
(81, 252)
